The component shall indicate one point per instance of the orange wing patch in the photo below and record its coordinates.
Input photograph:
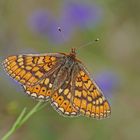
(39, 91)
(88, 98)
(27, 69)
(62, 104)
(42, 89)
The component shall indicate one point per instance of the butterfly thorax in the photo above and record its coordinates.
(65, 70)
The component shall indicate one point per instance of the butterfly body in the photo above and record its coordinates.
(64, 72)
(61, 79)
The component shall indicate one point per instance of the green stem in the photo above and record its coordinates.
(39, 108)
(30, 113)
(13, 128)
(22, 119)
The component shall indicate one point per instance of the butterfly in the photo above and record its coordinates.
(62, 79)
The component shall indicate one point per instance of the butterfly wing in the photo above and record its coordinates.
(88, 98)
(29, 69)
(62, 96)
(34, 72)
(43, 89)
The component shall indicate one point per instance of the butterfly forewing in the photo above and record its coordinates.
(88, 98)
(29, 69)
(34, 72)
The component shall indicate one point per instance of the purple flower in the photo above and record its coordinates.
(81, 14)
(73, 15)
(108, 82)
(40, 22)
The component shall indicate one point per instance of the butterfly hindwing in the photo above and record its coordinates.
(88, 98)
(43, 89)
(61, 99)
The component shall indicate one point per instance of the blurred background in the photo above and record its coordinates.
(32, 27)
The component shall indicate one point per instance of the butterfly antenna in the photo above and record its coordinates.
(87, 44)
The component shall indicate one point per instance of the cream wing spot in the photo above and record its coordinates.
(60, 90)
(50, 85)
(24, 87)
(89, 98)
(34, 95)
(21, 63)
(69, 96)
(82, 73)
(67, 113)
(13, 75)
(56, 104)
(28, 92)
(103, 98)
(46, 81)
(41, 97)
(20, 60)
(17, 78)
(66, 91)
(28, 67)
(5, 60)
(97, 102)
(61, 109)
(73, 113)
(100, 100)
(78, 93)
(94, 102)
(22, 67)
(10, 71)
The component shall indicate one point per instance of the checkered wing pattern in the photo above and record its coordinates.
(34, 72)
(88, 98)
(61, 99)
(37, 73)
(62, 79)
(42, 89)
(29, 69)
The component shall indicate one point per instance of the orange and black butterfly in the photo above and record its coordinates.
(62, 79)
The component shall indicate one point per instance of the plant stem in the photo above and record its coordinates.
(13, 128)
(22, 119)
(30, 113)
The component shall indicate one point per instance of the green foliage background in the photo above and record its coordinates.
(117, 51)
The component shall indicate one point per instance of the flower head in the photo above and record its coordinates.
(108, 82)
(72, 15)
(41, 22)
(81, 14)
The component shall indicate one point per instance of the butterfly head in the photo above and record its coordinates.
(73, 52)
